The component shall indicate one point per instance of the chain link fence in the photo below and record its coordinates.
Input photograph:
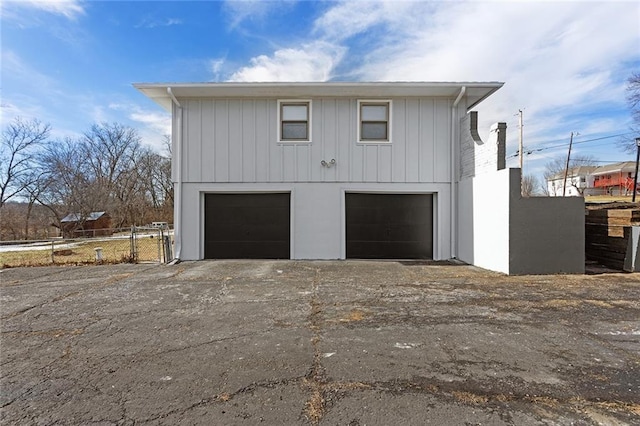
(130, 245)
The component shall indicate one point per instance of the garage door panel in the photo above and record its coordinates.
(247, 226)
(381, 250)
(247, 249)
(249, 233)
(389, 226)
(249, 219)
(373, 232)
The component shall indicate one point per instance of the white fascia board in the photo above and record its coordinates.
(476, 91)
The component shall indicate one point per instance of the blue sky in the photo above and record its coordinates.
(565, 64)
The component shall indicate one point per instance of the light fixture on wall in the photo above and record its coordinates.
(328, 164)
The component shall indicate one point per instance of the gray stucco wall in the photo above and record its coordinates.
(546, 235)
(502, 231)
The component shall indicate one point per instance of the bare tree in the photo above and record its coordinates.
(15, 226)
(633, 101)
(111, 151)
(544, 189)
(166, 141)
(555, 170)
(529, 185)
(633, 96)
(20, 140)
(64, 184)
(107, 169)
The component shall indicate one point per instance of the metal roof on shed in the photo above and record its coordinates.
(77, 217)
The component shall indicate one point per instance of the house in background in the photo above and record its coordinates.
(94, 224)
(615, 179)
(608, 179)
(579, 180)
(355, 171)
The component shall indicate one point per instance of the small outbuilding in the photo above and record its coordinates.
(94, 224)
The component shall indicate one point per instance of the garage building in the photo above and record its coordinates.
(329, 170)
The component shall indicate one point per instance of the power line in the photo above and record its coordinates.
(585, 141)
(544, 148)
(600, 161)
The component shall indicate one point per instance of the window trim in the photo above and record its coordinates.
(284, 102)
(365, 102)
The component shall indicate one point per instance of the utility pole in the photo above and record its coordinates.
(520, 148)
(635, 177)
(566, 169)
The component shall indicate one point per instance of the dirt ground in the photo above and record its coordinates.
(320, 343)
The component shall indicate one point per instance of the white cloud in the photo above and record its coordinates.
(254, 10)
(217, 67)
(154, 125)
(563, 62)
(150, 22)
(14, 67)
(549, 55)
(349, 18)
(70, 9)
(159, 123)
(11, 109)
(310, 62)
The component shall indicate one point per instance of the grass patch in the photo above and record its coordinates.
(470, 398)
(114, 250)
(355, 315)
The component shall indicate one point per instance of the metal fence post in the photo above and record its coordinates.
(163, 259)
(159, 238)
(132, 254)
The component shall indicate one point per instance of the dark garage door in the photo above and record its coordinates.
(247, 226)
(389, 226)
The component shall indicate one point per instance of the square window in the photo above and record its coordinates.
(374, 121)
(294, 121)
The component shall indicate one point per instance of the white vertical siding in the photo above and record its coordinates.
(193, 151)
(427, 136)
(442, 130)
(412, 138)
(345, 138)
(399, 153)
(234, 140)
(208, 155)
(249, 131)
(262, 132)
(219, 139)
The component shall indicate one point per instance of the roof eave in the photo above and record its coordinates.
(158, 91)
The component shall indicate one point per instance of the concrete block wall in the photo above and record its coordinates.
(476, 156)
(505, 232)
(546, 234)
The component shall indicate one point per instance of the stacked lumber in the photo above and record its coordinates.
(614, 220)
(607, 233)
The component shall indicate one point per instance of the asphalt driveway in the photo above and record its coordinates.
(330, 343)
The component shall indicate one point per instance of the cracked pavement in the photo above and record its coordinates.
(319, 343)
